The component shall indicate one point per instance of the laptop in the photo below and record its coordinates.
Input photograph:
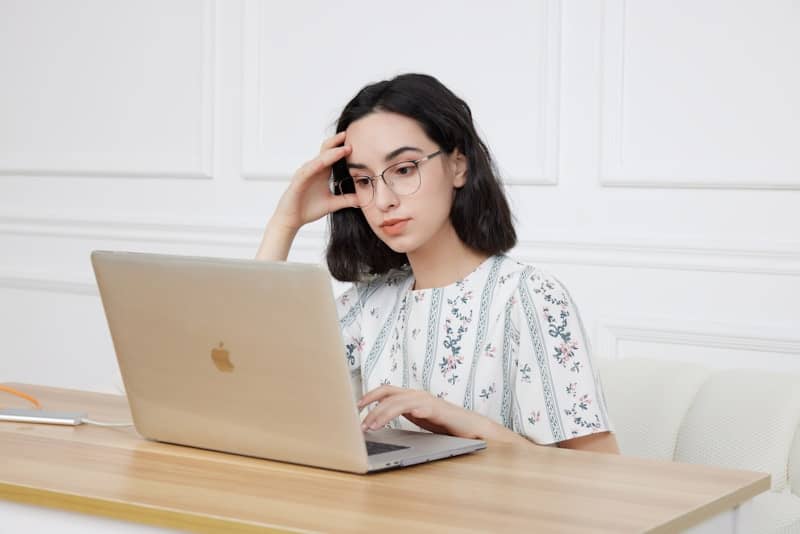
(245, 357)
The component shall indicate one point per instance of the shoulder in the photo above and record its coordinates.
(510, 275)
(537, 281)
(531, 287)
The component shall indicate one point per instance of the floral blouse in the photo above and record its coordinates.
(506, 341)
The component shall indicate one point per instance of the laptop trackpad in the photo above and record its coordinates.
(375, 447)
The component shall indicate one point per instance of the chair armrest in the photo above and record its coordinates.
(794, 464)
(744, 419)
(647, 402)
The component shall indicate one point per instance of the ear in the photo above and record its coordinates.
(458, 163)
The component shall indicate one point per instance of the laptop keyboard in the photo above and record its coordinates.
(374, 447)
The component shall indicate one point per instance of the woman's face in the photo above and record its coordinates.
(404, 223)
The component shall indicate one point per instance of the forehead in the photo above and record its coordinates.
(375, 135)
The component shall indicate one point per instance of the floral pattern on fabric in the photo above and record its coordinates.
(505, 341)
(456, 325)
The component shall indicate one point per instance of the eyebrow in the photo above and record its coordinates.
(390, 156)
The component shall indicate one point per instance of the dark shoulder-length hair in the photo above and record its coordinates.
(480, 213)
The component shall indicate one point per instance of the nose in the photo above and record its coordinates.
(384, 196)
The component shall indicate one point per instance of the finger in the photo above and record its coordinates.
(325, 159)
(372, 395)
(377, 394)
(390, 408)
(332, 155)
(400, 403)
(333, 141)
(419, 414)
(338, 202)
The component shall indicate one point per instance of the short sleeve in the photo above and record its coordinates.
(557, 391)
(348, 308)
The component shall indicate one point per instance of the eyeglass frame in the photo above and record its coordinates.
(373, 179)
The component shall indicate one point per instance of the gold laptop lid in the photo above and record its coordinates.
(240, 356)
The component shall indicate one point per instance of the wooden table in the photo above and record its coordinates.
(113, 472)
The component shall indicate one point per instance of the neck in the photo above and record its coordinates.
(443, 260)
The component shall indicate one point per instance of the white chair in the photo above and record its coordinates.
(740, 418)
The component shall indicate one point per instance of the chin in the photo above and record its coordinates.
(400, 245)
(398, 248)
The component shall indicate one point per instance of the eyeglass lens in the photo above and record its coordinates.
(402, 178)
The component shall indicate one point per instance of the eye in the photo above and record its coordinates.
(404, 169)
(362, 182)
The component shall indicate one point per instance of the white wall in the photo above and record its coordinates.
(650, 147)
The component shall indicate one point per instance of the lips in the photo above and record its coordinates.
(394, 226)
(392, 222)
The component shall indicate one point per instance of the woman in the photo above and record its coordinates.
(440, 327)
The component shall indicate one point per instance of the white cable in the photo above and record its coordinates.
(98, 423)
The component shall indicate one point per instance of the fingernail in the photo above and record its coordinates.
(363, 428)
(373, 426)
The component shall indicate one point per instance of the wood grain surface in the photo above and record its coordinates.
(113, 472)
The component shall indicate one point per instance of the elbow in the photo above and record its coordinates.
(599, 442)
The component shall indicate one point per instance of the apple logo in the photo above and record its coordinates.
(221, 359)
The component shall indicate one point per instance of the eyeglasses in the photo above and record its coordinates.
(402, 178)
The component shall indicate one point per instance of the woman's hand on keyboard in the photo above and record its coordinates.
(424, 410)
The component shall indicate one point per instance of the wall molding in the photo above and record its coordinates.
(48, 285)
(753, 338)
(140, 231)
(665, 254)
(206, 148)
(546, 171)
(616, 170)
(780, 259)
(232, 238)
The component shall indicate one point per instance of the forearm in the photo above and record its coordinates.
(599, 442)
(474, 425)
(469, 424)
(276, 243)
(494, 431)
